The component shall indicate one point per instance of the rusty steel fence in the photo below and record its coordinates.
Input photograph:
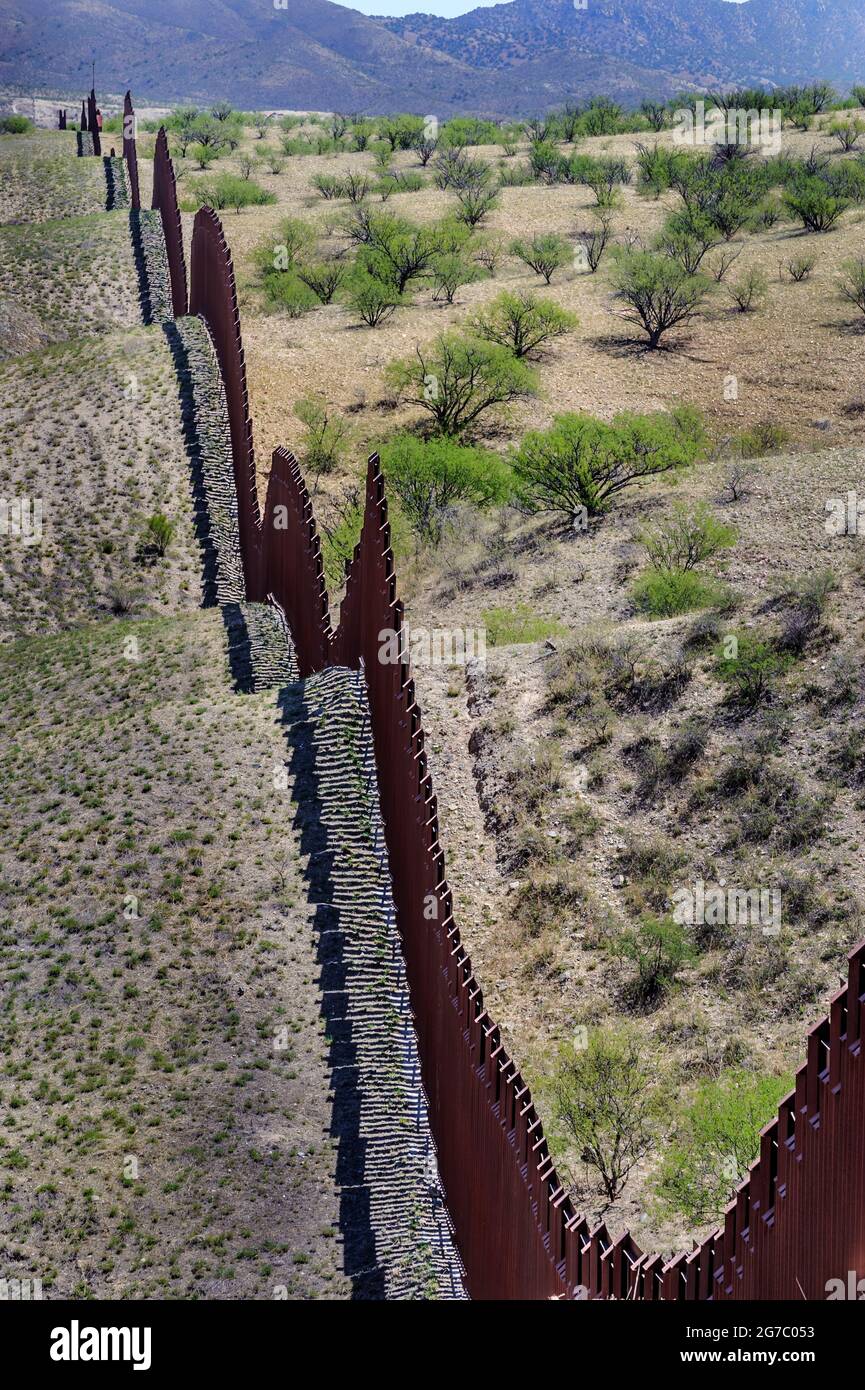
(165, 201)
(798, 1219)
(130, 151)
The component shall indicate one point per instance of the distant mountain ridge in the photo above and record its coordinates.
(758, 41)
(518, 58)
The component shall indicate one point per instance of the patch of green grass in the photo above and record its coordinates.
(518, 626)
(666, 593)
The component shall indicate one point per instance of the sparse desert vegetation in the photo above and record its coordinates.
(614, 386)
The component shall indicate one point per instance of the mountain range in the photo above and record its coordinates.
(518, 58)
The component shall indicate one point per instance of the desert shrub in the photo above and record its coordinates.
(522, 322)
(766, 216)
(449, 272)
(455, 169)
(475, 203)
(356, 186)
(330, 186)
(750, 672)
(488, 252)
(717, 1138)
(761, 439)
(848, 133)
(547, 163)
(818, 209)
(603, 176)
(687, 237)
(723, 261)
(204, 155)
(686, 538)
(658, 948)
(660, 294)
(806, 599)
(460, 131)
(584, 463)
(606, 1104)
(286, 293)
(667, 593)
(851, 284)
(232, 191)
(799, 268)
(273, 160)
(394, 250)
(206, 130)
(432, 477)
(425, 147)
(656, 113)
(749, 291)
(372, 299)
(158, 533)
(846, 180)
(15, 125)
(655, 164)
(458, 379)
(290, 243)
(324, 435)
(323, 278)
(727, 195)
(516, 176)
(544, 254)
(594, 240)
(399, 181)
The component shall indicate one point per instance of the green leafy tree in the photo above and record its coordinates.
(811, 201)
(374, 300)
(659, 292)
(749, 665)
(584, 463)
(431, 477)
(450, 272)
(232, 191)
(323, 278)
(687, 538)
(543, 254)
(457, 379)
(522, 322)
(717, 1139)
(607, 1105)
(324, 435)
(658, 948)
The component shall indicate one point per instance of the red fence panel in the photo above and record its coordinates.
(130, 152)
(799, 1218)
(165, 200)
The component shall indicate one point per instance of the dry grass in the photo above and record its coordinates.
(93, 428)
(157, 1142)
(41, 178)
